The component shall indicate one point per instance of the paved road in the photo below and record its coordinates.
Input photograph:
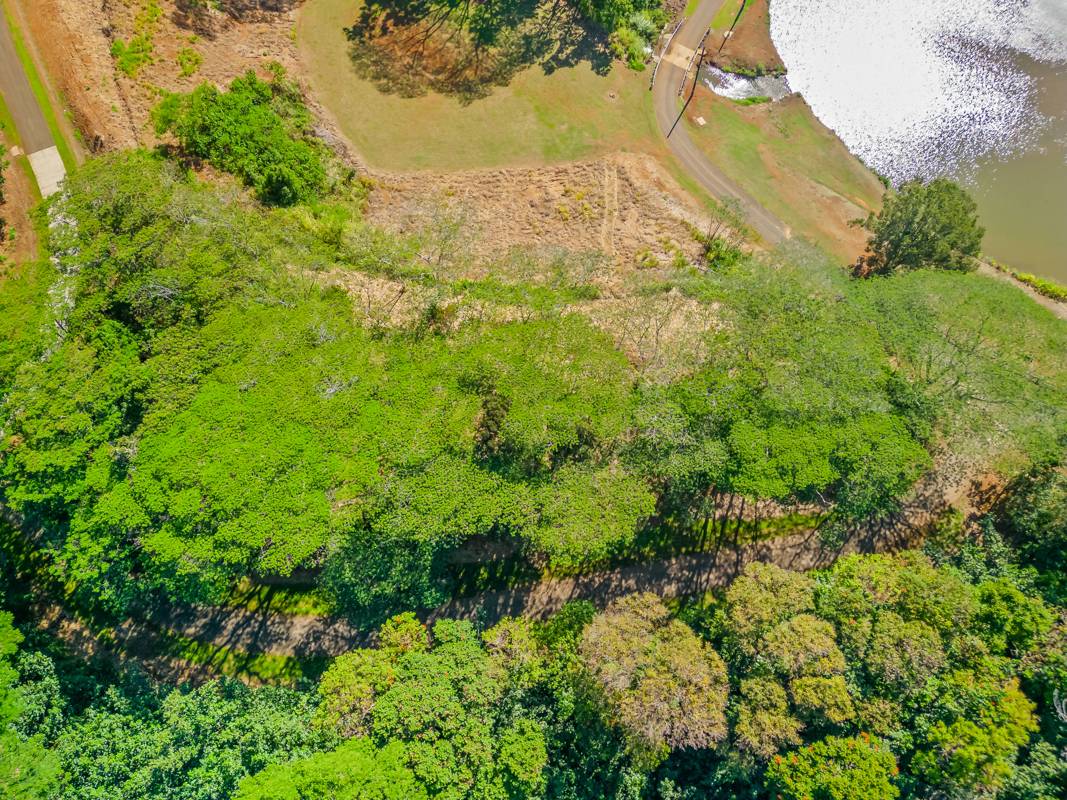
(34, 132)
(667, 106)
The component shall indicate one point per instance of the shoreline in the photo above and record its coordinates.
(1020, 195)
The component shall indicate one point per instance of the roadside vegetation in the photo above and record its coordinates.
(1043, 286)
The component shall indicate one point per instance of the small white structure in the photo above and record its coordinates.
(48, 169)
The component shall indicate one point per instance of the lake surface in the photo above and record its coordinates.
(972, 89)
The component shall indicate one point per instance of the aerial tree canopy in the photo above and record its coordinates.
(932, 224)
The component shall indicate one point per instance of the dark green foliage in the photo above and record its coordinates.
(43, 704)
(1033, 517)
(247, 130)
(439, 711)
(27, 769)
(1043, 776)
(613, 14)
(976, 755)
(23, 313)
(195, 745)
(931, 224)
(877, 678)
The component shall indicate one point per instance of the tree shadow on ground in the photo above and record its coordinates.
(465, 49)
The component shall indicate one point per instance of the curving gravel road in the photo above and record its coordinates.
(667, 106)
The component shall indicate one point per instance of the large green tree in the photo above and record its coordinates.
(835, 769)
(357, 770)
(443, 707)
(932, 224)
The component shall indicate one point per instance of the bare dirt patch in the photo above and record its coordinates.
(750, 48)
(623, 205)
(618, 224)
(20, 196)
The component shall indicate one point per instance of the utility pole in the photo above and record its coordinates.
(730, 32)
(685, 77)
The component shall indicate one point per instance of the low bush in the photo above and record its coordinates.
(253, 130)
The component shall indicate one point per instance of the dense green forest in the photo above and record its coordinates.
(190, 406)
(190, 399)
(883, 677)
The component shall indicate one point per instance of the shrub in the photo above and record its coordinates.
(251, 130)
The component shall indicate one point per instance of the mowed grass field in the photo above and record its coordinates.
(792, 164)
(538, 118)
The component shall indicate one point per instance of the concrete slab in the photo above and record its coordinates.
(680, 56)
(48, 169)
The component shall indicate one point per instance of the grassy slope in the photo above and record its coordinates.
(792, 164)
(724, 18)
(536, 119)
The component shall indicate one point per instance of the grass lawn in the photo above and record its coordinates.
(795, 166)
(570, 114)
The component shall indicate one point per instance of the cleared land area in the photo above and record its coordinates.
(538, 118)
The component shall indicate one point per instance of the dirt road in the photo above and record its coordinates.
(667, 105)
(687, 575)
(30, 123)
